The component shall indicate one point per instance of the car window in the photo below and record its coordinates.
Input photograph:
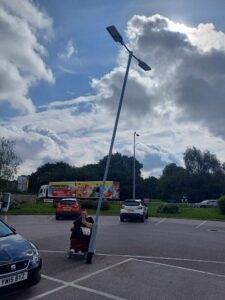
(68, 202)
(131, 203)
(4, 230)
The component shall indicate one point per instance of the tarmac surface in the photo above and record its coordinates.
(158, 259)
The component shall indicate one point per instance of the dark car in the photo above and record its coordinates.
(68, 207)
(19, 259)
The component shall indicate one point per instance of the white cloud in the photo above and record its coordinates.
(21, 63)
(68, 51)
(180, 103)
(76, 101)
(204, 36)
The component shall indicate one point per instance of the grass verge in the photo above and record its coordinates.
(185, 211)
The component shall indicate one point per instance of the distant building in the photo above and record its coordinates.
(23, 183)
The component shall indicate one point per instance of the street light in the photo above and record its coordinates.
(135, 134)
(117, 38)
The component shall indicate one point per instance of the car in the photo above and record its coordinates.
(206, 204)
(68, 207)
(133, 209)
(20, 261)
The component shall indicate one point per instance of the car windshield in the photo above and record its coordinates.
(4, 230)
(131, 203)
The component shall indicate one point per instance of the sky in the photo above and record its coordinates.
(61, 76)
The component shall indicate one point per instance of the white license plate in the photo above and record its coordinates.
(13, 279)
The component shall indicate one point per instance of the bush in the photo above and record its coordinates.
(105, 205)
(221, 203)
(88, 204)
(168, 209)
(92, 204)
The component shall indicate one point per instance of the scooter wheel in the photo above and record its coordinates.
(89, 258)
(69, 254)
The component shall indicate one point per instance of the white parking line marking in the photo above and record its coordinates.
(48, 293)
(55, 279)
(181, 268)
(162, 257)
(49, 219)
(108, 296)
(201, 224)
(146, 257)
(52, 251)
(102, 270)
(73, 283)
(156, 224)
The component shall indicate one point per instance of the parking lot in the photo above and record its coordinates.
(158, 259)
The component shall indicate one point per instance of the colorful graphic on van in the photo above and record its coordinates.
(83, 189)
(61, 189)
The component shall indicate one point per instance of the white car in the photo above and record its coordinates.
(206, 203)
(133, 209)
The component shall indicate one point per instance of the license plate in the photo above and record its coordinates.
(130, 209)
(67, 208)
(13, 279)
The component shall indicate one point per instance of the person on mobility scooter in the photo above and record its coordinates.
(81, 234)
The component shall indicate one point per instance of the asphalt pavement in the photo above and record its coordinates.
(158, 259)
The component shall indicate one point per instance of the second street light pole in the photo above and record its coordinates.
(134, 169)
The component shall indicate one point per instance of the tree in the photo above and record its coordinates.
(150, 187)
(121, 170)
(59, 171)
(205, 174)
(9, 161)
(199, 163)
(172, 183)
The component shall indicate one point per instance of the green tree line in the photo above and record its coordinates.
(202, 177)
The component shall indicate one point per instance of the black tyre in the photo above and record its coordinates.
(56, 217)
(35, 278)
(121, 219)
(146, 217)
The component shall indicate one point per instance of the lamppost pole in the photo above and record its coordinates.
(117, 38)
(92, 244)
(134, 165)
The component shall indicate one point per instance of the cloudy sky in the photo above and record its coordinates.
(61, 76)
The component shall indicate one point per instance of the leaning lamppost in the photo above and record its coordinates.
(134, 175)
(117, 38)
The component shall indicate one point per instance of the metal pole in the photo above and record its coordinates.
(92, 244)
(134, 169)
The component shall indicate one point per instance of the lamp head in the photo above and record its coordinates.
(115, 34)
(143, 65)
